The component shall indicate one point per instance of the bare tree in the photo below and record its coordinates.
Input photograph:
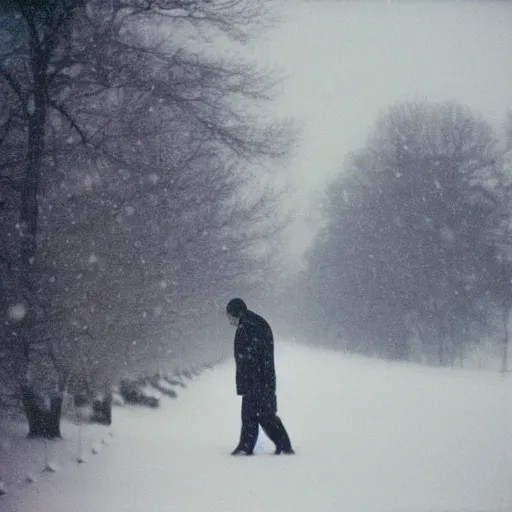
(91, 94)
(408, 230)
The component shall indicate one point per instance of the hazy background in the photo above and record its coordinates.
(145, 235)
(345, 62)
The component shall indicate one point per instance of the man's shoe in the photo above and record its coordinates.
(281, 451)
(240, 451)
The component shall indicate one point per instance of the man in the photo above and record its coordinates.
(256, 380)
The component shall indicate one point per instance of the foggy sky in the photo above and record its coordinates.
(345, 62)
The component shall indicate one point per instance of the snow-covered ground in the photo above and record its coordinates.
(369, 436)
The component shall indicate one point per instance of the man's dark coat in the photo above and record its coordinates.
(254, 357)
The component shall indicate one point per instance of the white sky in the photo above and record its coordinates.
(370, 436)
(347, 61)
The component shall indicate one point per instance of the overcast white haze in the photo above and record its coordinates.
(346, 62)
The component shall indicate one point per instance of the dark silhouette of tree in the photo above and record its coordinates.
(118, 139)
(408, 230)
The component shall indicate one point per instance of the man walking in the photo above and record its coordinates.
(256, 380)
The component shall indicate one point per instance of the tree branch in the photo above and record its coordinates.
(15, 86)
(71, 121)
(52, 36)
(6, 128)
(11, 182)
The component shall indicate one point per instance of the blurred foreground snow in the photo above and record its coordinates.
(369, 435)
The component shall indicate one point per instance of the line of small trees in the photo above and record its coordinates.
(123, 147)
(415, 260)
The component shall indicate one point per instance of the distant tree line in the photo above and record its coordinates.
(415, 259)
(125, 149)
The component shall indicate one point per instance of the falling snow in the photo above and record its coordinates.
(17, 312)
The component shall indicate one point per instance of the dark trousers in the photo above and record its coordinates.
(258, 411)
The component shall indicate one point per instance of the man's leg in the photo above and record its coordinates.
(273, 426)
(249, 430)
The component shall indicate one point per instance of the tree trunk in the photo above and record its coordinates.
(28, 243)
(41, 421)
(453, 343)
(441, 339)
(102, 409)
(506, 338)
(441, 342)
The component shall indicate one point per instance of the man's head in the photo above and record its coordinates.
(235, 309)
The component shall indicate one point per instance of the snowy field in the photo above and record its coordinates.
(369, 436)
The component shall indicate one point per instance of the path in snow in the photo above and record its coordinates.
(369, 435)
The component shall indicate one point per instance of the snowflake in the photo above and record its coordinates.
(88, 182)
(17, 312)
